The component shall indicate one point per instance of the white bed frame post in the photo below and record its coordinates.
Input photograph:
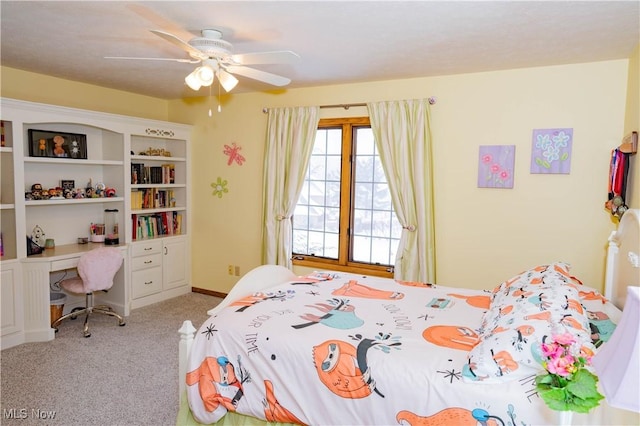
(187, 332)
(610, 268)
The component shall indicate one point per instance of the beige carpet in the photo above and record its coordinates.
(118, 376)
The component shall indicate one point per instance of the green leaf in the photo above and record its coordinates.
(564, 156)
(583, 385)
(544, 379)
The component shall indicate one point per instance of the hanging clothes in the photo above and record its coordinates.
(618, 172)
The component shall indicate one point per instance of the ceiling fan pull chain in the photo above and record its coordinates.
(211, 99)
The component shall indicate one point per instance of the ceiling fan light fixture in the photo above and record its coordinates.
(227, 81)
(205, 75)
(192, 81)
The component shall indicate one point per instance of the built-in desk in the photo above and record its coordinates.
(36, 270)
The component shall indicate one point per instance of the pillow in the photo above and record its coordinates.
(524, 312)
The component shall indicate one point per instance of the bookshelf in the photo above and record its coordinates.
(99, 171)
(158, 220)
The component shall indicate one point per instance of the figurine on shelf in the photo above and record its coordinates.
(56, 193)
(36, 191)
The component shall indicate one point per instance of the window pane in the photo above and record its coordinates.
(301, 217)
(317, 167)
(331, 245)
(361, 222)
(300, 242)
(378, 173)
(381, 224)
(320, 144)
(382, 197)
(332, 220)
(332, 196)
(364, 168)
(333, 168)
(334, 141)
(365, 144)
(361, 249)
(363, 195)
(380, 251)
(317, 189)
(316, 243)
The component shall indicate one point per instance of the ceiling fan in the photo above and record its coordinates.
(216, 59)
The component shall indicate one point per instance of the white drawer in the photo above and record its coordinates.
(60, 265)
(146, 282)
(145, 262)
(146, 247)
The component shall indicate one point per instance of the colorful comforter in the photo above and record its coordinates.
(344, 349)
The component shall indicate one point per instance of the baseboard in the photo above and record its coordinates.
(209, 292)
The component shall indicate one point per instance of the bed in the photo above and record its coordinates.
(344, 349)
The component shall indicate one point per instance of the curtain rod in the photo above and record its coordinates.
(432, 100)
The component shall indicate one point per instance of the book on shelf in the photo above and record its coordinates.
(156, 225)
(137, 173)
(152, 198)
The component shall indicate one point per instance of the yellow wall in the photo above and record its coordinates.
(483, 235)
(632, 123)
(28, 86)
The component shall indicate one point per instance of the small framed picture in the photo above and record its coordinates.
(67, 184)
(46, 143)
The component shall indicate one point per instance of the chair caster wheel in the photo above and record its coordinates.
(87, 335)
(123, 324)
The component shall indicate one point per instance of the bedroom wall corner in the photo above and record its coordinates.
(632, 123)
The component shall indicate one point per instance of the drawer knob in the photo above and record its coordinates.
(148, 282)
(148, 261)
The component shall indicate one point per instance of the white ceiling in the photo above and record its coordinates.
(338, 41)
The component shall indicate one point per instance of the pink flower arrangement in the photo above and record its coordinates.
(568, 385)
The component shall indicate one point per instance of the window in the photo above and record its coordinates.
(344, 217)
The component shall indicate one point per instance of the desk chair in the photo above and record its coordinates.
(96, 270)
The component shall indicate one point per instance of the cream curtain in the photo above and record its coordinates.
(290, 137)
(403, 138)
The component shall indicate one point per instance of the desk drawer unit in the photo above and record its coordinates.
(146, 262)
(146, 281)
(146, 248)
(146, 268)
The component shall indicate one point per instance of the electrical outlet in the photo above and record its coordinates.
(230, 269)
(237, 271)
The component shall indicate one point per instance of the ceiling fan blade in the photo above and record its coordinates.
(266, 77)
(186, 61)
(275, 57)
(195, 53)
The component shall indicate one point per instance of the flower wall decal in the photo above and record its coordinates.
(219, 187)
(551, 151)
(496, 166)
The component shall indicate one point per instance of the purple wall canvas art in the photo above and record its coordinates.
(496, 166)
(551, 151)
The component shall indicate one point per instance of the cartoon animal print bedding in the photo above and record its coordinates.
(345, 349)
